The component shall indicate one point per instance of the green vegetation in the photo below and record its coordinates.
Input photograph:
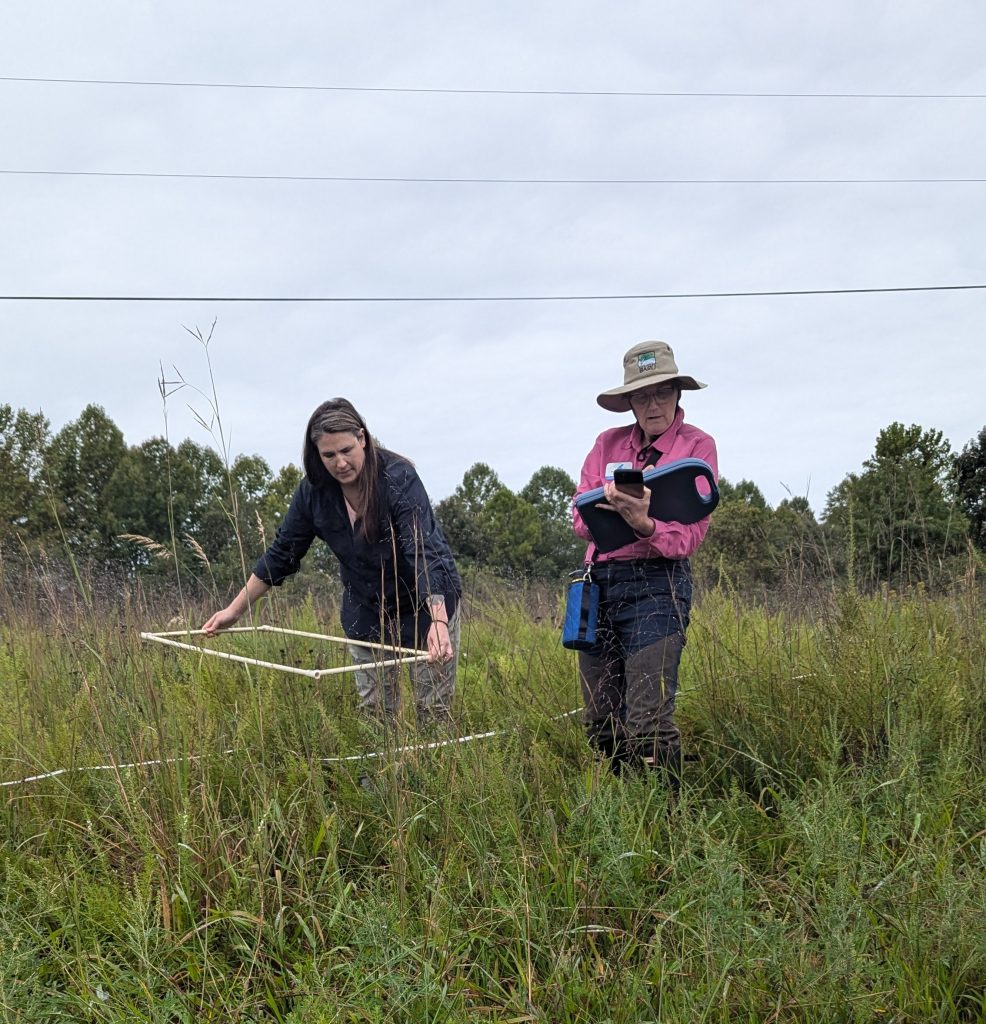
(827, 861)
(144, 511)
(208, 842)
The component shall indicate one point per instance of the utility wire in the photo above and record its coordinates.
(495, 181)
(668, 94)
(485, 298)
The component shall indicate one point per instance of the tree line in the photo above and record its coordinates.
(911, 514)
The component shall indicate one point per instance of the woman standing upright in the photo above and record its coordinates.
(400, 584)
(629, 677)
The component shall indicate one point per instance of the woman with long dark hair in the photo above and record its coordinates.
(400, 584)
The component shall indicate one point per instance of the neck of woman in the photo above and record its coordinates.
(352, 492)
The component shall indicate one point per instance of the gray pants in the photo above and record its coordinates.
(433, 683)
(630, 702)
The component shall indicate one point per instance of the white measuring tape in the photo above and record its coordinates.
(107, 767)
(322, 760)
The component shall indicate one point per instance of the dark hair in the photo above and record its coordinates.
(339, 416)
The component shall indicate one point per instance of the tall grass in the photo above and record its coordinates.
(827, 861)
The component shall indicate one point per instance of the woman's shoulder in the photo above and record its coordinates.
(317, 499)
(689, 432)
(394, 464)
(395, 471)
(611, 434)
(307, 493)
(310, 500)
(614, 437)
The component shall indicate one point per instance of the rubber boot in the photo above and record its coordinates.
(667, 762)
(615, 753)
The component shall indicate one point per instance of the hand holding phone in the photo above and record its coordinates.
(629, 481)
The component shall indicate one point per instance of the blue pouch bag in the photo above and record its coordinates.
(581, 611)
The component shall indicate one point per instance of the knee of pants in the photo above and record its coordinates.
(602, 682)
(652, 685)
(376, 689)
(434, 685)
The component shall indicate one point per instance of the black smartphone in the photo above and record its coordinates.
(629, 481)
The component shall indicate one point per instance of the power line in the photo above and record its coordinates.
(663, 94)
(487, 298)
(494, 181)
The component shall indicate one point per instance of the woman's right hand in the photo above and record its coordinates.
(221, 620)
(236, 608)
(635, 511)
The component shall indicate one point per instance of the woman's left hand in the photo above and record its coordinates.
(439, 642)
(636, 511)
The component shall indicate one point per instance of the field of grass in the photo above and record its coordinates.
(827, 861)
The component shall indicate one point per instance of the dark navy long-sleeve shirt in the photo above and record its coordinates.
(386, 581)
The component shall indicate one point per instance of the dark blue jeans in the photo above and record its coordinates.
(630, 677)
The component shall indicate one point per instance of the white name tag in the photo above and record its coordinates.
(611, 468)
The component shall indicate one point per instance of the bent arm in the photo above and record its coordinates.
(676, 540)
(424, 546)
(294, 538)
(280, 560)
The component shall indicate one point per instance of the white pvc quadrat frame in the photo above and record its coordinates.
(408, 655)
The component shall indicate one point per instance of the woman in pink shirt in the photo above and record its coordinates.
(630, 676)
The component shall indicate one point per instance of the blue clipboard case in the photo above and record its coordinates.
(674, 498)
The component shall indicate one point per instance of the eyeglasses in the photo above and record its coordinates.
(638, 399)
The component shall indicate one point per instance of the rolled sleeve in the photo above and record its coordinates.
(676, 540)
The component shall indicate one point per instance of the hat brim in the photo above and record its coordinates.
(618, 399)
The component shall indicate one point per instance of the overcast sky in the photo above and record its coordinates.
(799, 387)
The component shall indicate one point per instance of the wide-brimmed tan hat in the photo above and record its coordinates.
(646, 364)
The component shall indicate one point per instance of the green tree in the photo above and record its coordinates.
(746, 491)
(140, 501)
(463, 514)
(898, 517)
(250, 479)
(274, 502)
(526, 534)
(514, 533)
(741, 547)
(201, 484)
(168, 496)
(78, 464)
(557, 550)
(800, 541)
(969, 474)
(245, 486)
(23, 437)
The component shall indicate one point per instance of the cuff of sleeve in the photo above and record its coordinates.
(650, 534)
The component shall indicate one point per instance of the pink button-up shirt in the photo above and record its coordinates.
(626, 444)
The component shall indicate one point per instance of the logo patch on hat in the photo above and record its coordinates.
(646, 361)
